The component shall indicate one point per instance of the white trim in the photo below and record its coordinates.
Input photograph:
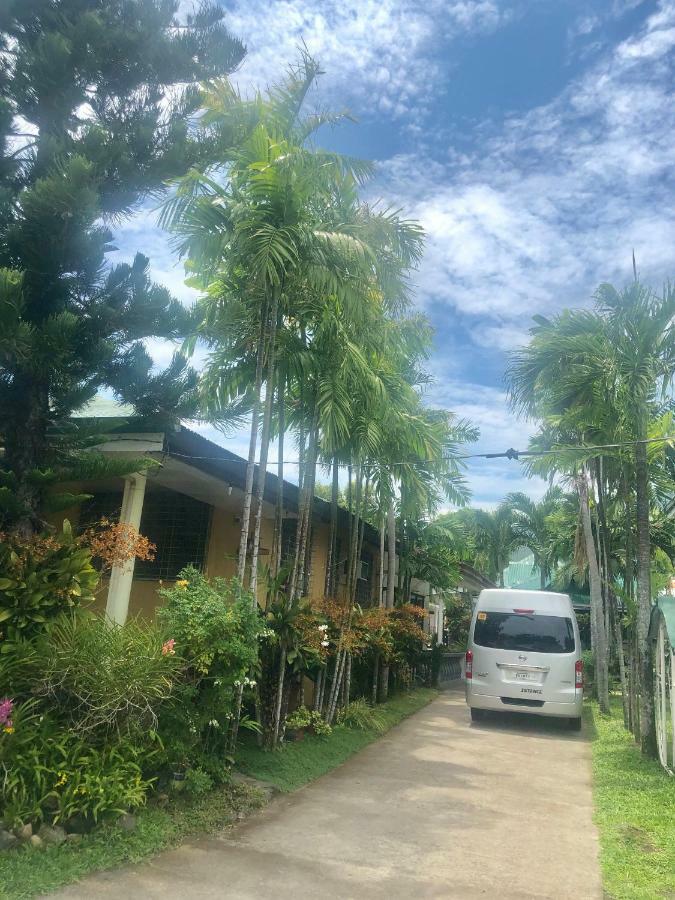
(121, 577)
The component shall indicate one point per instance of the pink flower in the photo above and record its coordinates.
(167, 648)
(6, 723)
(6, 706)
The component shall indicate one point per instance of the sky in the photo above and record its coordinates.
(532, 140)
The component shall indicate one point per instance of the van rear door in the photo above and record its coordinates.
(524, 655)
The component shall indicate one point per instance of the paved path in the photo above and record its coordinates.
(437, 808)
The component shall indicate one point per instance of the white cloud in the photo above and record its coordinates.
(545, 206)
(377, 54)
(555, 201)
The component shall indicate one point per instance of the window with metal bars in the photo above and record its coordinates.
(289, 530)
(364, 582)
(176, 524)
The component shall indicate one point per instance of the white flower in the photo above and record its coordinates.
(217, 681)
(252, 683)
(237, 683)
(214, 723)
(323, 627)
(325, 643)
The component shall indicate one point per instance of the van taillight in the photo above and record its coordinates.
(469, 664)
(579, 674)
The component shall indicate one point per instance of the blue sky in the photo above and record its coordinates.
(532, 140)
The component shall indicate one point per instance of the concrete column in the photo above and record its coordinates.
(121, 577)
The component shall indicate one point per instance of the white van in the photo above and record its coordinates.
(524, 655)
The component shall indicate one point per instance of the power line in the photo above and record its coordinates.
(509, 454)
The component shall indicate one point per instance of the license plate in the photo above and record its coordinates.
(526, 676)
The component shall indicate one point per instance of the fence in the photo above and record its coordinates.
(451, 667)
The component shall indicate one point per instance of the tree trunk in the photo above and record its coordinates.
(279, 514)
(305, 512)
(253, 443)
(264, 443)
(376, 673)
(601, 673)
(644, 589)
(380, 581)
(335, 693)
(603, 557)
(331, 563)
(389, 600)
(618, 638)
(309, 527)
(280, 695)
(316, 705)
(26, 446)
(391, 548)
(236, 718)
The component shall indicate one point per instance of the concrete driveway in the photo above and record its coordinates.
(438, 808)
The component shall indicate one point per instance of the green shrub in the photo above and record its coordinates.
(319, 724)
(52, 775)
(197, 782)
(215, 629)
(299, 718)
(359, 714)
(305, 718)
(41, 577)
(97, 680)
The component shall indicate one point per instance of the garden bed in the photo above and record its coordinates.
(25, 872)
(635, 814)
(298, 763)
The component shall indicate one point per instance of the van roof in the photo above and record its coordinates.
(497, 599)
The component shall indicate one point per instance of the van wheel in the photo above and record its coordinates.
(477, 715)
(575, 724)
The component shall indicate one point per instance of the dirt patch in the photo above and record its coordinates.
(639, 838)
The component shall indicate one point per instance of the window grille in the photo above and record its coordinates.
(289, 530)
(178, 526)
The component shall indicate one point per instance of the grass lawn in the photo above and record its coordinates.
(298, 763)
(27, 873)
(635, 814)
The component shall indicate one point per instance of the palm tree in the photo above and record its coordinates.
(260, 234)
(491, 537)
(641, 330)
(598, 376)
(531, 527)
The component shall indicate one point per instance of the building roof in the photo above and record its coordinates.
(195, 450)
(201, 453)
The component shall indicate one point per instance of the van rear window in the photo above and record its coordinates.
(516, 631)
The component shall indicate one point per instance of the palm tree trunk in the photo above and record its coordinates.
(391, 548)
(348, 680)
(644, 588)
(309, 539)
(335, 693)
(380, 580)
(298, 581)
(376, 673)
(280, 695)
(316, 706)
(279, 515)
(252, 446)
(601, 674)
(331, 562)
(264, 442)
(618, 637)
(389, 601)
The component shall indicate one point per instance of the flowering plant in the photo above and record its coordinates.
(6, 707)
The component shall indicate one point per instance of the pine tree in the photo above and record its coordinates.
(97, 99)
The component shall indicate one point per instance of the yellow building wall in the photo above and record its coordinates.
(221, 558)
